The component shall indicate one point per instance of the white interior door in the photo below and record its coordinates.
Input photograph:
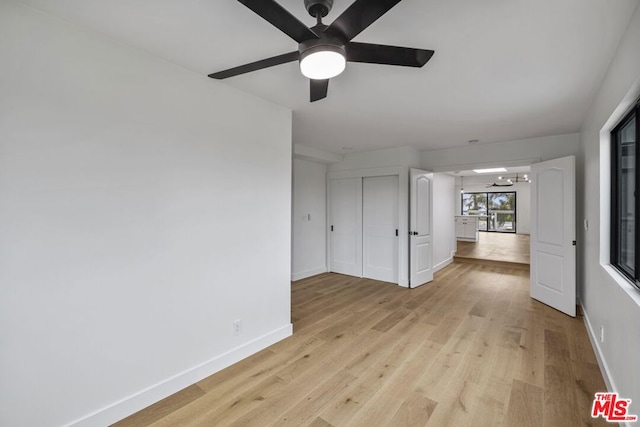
(553, 251)
(420, 228)
(380, 228)
(346, 226)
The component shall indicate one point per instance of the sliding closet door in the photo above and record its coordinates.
(346, 226)
(380, 228)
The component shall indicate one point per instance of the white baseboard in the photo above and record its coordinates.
(153, 394)
(442, 264)
(602, 363)
(308, 273)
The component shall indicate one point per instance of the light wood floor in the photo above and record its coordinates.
(505, 247)
(471, 348)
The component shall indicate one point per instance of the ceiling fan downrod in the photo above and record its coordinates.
(318, 8)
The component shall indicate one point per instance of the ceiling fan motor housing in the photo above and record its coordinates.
(321, 7)
(325, 41)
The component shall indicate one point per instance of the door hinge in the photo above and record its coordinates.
(332, 228)
(574, 243)
(396, 232)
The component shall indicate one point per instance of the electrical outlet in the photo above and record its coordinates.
(601, 333)
(237, 327)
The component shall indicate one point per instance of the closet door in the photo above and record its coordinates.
(380, 225)
(345, 212)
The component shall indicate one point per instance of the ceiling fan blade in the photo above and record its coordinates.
(359, 16)
(258, 65)
(319, 89)
(280, 18)
(389, 55)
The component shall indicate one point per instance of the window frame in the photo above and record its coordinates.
(486, 194)
(616, 218)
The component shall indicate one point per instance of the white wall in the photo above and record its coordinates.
(473, 184)
(609, 301)
(399, 156)
(510, 153)
(140, 215)
(309, 219)
(444, 233)
(315, 155)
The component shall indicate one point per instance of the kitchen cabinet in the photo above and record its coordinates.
(467, 228)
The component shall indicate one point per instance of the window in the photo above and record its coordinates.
(624, 203)
(476, 204)
(502, 212)
(497, 211)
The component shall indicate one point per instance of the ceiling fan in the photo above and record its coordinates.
(324, 50)
(505, 181)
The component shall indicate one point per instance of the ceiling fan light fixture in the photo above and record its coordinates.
(322, 62)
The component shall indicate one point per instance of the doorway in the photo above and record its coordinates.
(501, 202)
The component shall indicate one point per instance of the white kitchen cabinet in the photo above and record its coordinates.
(467, 228)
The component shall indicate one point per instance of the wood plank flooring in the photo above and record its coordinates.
(469, 349)
(504, 247)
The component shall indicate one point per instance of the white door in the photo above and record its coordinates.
(380, 228)
(553, 251)
(420, 228)
(346, 226)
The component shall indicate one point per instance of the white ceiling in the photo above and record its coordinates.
(502, 69)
